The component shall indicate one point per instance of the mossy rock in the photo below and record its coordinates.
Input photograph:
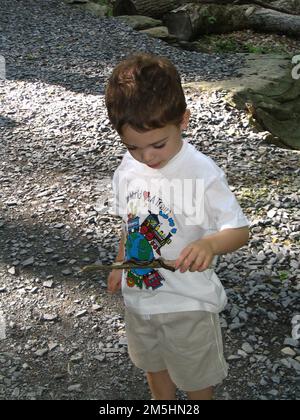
(160, 32)
(138, 22)
(269, 93)
(99, 8)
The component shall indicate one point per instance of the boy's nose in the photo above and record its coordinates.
(147, 157)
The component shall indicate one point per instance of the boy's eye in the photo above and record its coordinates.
(155, 147)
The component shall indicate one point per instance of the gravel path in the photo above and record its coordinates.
(61, 336)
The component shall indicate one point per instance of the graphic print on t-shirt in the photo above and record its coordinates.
(146, 236)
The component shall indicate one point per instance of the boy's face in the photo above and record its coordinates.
(155, 148)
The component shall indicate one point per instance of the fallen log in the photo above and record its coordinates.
(150, 8)
(291, 5)
(159, 7)
(279, 6)
(191, 20)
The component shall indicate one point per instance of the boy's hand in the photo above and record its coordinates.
(114, 281)
(195, 257)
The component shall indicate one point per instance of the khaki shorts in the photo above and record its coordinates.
(187, 344)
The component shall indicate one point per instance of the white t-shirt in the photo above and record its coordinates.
(163, 211)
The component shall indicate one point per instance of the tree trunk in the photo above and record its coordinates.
(191, 20)
(279, 6)
(160, 7)
(291, 5)
(150, 8)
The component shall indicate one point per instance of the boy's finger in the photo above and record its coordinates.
(185, 253)
(205, 265)
(188, 262)
(197, 264)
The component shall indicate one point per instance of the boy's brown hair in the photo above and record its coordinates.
(145, 92)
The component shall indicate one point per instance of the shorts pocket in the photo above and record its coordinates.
(190, 333)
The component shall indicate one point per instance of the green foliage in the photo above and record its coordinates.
(254, 194)
(227, 45)
(262, 49)
(233, 46)
(212, 20)
(283, 275)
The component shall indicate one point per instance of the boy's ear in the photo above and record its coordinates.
(185, 120)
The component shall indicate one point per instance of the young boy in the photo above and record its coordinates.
(172, 321)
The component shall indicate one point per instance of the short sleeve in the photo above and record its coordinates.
(223, 207)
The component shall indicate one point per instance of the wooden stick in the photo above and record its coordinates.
(131, 264)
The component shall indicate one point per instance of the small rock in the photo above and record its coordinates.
(233, 357)
(271, 213)
(276, 379)
(76, 358)
(123, 341)
(295, 364)
(243, 316)
(48, 284)
(16, 393)
(28, 262)
(96, 307)
(50, 317)
(263, 382)
(111, 350)
(81, 313)
(247, 348)
(237, 326)
(59, 225)
(261, 256)
(67, 272)
(242, 353)
(11, 203)
(74, 388)
(287, 351)
(41, 352)
(290, 342)
(294, 264)
(100, 357)
(59, 376)
(273, 392)
(25, 366)
(52, 345)
(272, 316)
(12, 271)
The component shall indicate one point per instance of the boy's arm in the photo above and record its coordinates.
(121, 253)
(115, 278)
(199, 255)
(228, 240)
